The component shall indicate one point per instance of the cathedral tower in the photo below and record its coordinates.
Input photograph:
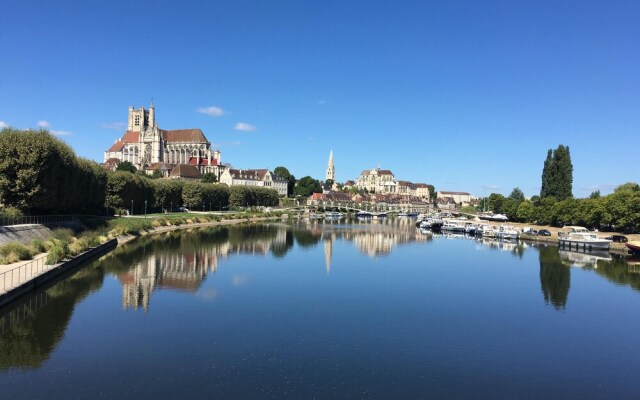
(331, 171)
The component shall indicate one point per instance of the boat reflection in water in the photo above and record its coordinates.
(584, 259)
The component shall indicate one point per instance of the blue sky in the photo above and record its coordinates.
(465, 95)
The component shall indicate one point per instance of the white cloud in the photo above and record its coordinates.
(3, 124)
(115, 125)
(241, 126)
(61, 133)
(211, 111)
(43, 124)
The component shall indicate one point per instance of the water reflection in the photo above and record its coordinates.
(181, 261)
(31, 329)
(555, 277)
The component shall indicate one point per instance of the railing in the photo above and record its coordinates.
(23, 273)
(47, 219)
(37, 219)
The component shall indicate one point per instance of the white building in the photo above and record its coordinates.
(457, 197)
(377, 181)
(254, 177)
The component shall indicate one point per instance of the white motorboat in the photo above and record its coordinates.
(470, 228)
(433, 224)
(580, 238)
(486, 231)
(452, 226)
(333, 215)
(507, 232)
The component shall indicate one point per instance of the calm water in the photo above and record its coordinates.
(328, 311)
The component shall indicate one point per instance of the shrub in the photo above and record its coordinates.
(57, 253)
(10, 212)
(63, 234)
(38, 246)
(13, 252)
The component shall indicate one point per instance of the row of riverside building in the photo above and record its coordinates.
(179, 154)
(187, 154)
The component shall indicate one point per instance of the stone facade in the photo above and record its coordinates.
(146, 146)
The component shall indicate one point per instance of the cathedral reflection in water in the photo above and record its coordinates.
(184, 268)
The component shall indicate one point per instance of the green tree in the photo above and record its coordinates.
(517, 195)
(283, 173)
(595, 194)
(557, 174)
(496, 203)
(168, 194)
(40, 174)
(126, 166)
(526, 212)
(306, 186)
(209, 177)
(157, 174)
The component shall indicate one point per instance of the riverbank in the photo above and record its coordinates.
(23, 277)
(122, 239)
(618, 248)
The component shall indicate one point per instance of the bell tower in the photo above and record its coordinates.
(331, 171)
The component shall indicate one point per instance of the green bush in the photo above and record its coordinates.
(63, 234)
(14, 252)
(10, 212)
(38, 246)
(57, 253)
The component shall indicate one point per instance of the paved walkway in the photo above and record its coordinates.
(14, 275)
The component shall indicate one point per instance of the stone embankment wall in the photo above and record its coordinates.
(67, 266)
(23, 233)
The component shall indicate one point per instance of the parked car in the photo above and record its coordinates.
(544, 232)
(618, 238)
(183, 209)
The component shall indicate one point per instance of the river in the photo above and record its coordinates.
(328, 311)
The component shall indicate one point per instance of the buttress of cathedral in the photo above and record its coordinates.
(150, 148)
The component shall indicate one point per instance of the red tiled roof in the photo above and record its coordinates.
(113, 161)
(117, 146)
(185, 135)
(131, 137)
(203, 161)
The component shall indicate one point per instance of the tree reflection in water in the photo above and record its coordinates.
(554, 277)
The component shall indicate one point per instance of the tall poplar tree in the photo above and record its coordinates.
(557, 174)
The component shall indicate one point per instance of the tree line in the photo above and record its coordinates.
(40, 174)
(556, 205)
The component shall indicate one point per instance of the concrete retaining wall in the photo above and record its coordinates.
(62, 269)
(23, 233)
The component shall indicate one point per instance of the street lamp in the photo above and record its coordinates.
(131, 207)
(145, 209)
(171, 209)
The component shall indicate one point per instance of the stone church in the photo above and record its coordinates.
(150, 148)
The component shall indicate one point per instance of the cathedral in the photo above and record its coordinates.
(150, 148)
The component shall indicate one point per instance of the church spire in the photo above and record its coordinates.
(331, 170)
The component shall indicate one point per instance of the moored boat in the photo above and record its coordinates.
(580, 238)
(634, 246)
(452, 226)
(486, 231)
(507, 232)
